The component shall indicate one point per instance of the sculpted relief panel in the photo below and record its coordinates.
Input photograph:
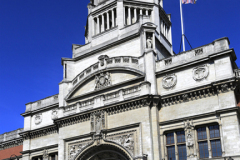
(169, 81)
(73, 149)
(98, 122)
(200, 72)
(102, 80)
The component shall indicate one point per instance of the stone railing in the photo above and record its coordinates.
(42, 103)
(109, 63)
(237, 73)
(10, 135)
(194, 54)
(106, 99)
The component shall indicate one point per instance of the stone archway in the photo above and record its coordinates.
(104, 152)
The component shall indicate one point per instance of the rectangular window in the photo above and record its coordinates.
(203, 149)
(182, 152)
(171, 153)
(202, 133)
(214, 131)
(216, 148)
(170, 138)
(180, 136)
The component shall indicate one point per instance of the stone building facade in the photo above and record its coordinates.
(126, 96)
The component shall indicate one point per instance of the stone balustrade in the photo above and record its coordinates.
(42, 103)
(10, 135)
(237, 73)
(194, 54)
(106, 99)
(110, 63)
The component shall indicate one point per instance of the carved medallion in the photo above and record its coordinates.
(54, 114)
(200, 72)
(169, 81)
(38, 118)
(102, 80)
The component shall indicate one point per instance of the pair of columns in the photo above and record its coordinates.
(100, 27)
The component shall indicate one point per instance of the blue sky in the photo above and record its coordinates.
(35, 34)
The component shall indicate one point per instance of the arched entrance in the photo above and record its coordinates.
(104, 152)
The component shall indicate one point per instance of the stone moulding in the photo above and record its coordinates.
(11, 143)
(205, 91)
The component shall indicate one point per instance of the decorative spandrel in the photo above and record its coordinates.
(98, 122)
(102, 80)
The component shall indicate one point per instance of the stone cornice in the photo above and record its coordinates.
(30, 113)
(11, 143)
(39, 149)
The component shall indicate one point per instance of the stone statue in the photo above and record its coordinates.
(98, 125)
(189, 138)
(149, 42)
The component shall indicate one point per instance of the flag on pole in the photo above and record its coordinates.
(189, 1)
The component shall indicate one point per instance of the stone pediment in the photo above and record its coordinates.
(105, 73)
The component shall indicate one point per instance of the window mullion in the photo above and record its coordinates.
(175, 143)
(209, 143)
(221, 138)
(196, 142)
(165, 148)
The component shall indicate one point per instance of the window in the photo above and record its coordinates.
(178, 143)
(209, 137)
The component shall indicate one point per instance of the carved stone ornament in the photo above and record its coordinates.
(149, 42)
(54, 114)
(98, 122)
(102, 80)
(45, 154)
(200, 72)
(76, 148)
(189, 131)
(169, 81)
(102, 58)
(38, 118)
(126, 141)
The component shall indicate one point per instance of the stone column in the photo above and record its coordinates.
(141, 12)
(129, 16)
(107, 20)
(155, 130)
(113, 18)
(120, 13)
(98, 25)
(209, 144)
(56, 156)
(175, 143)
(135, 15)
(103, 27)
(147, 12)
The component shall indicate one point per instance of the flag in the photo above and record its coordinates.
(189, 1)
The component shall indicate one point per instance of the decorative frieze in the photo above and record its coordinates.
(169, 81)
(200, 72)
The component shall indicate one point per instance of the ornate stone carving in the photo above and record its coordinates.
(98, 122)
(189, 138)
(169, 81)
(45, 154)
(200, 72)
(54, 114)
(126, 141)
(38, 118)
(102, 58)
(75, 148)
(102, 80)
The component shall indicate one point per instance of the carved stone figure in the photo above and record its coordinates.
(189, 138)
(200, 72)
(169, 81)
(54, 114)
(102, 80)
(38, 118)
(97, 122)
(45, 155)
(149, 42)
(72, 151)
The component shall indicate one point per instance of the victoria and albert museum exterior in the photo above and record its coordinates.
(125, 95)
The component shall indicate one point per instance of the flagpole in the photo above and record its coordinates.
(182, 26)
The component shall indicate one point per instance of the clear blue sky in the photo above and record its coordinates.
(35, 34)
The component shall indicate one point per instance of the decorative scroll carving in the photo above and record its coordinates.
(102, 80)
(126, 141)
(200, 72)
(98, 122)
(38, 118)
(54, 114)
(189, 138)
(169, 81)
